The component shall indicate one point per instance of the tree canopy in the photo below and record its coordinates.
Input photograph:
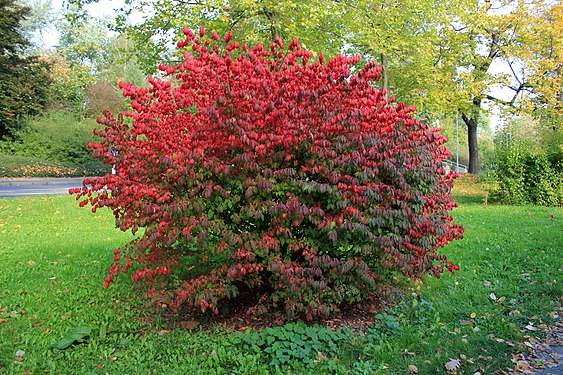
(23, 78)
(443, 56)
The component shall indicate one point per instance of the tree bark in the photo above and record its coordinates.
(384, 63)
(471, 123)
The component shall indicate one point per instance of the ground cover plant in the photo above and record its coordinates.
(265, 171)
(53, 254)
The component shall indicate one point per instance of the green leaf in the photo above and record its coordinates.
(63, 343)
(78, 334)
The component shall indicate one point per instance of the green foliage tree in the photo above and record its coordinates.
(23, 78)
(442, 56)
(439, 55)
(39, 19)
(70, 83)
(85, 41)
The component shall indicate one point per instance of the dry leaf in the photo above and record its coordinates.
(189, 324)
(487, 284)
(20, 353)
(530, 327)
(523, 366)
(453, 365)
(3, 321)
(413, 369)
(463, 357)
(493, 296)
(31, 263)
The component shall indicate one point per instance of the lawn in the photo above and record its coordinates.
(56, 317)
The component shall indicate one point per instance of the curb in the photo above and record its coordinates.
(40, 181)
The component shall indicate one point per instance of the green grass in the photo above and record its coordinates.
(54, 256)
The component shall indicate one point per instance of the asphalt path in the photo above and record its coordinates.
(12, 188)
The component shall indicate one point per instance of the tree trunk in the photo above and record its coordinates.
(471, 123)
(384, 63)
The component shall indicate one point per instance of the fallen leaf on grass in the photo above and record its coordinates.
(189, 324)
(3, 321)
(31, 263)
(453, 365)
(523, 366)
(20, 353)
(77, 335)
(498, 339)
(530, 327)
(413, 369)
(493, 296)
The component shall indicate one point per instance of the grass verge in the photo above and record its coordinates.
(13, 166)
(54, 256)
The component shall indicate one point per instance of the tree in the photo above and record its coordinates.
(442, 56)
(512, 35)
(70, 83)
(39, 19)
(23, 78)
(85, 41)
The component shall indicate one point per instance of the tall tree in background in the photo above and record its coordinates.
(23, 78)
(502, 46)
(443, 56)
(37, 22)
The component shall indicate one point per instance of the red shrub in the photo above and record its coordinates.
(256, 168)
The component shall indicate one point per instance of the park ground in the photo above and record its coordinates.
(501, 313)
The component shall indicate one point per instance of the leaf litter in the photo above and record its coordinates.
(544, 356)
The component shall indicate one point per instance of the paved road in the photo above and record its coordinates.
(10, 188)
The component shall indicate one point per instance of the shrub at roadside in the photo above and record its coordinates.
(58, 140)
(259, 170)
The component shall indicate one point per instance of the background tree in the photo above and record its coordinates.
(23, 78)
(84, 41)
(40, 18)
(445, 57)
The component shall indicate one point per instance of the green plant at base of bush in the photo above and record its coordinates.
(294, 342)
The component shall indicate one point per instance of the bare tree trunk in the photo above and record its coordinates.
(471, 123)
